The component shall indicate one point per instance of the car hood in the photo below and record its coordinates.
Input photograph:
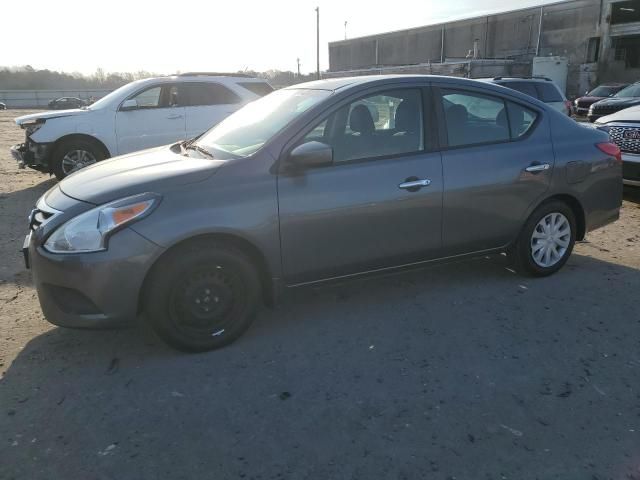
(631, 114)
(618, 102)
(47, 115)
(155, 170)
(589, 99)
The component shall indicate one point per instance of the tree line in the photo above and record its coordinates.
(29, 78)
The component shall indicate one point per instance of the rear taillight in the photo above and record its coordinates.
(610, 149)
(567, 104)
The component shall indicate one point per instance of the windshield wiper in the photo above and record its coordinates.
(197, 148)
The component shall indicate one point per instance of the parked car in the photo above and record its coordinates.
(582, 104)
(303, 187)
(623, 128)
(143, 114)
(65, 103)
(625, 98)
(2, 106)
(541, 88)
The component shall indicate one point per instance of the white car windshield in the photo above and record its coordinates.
(630, 91)
(244, 132)
(119, 93)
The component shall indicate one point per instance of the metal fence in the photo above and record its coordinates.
(41, 98)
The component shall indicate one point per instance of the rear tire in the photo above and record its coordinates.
(202, 297)
(78, 152)
(546, 241)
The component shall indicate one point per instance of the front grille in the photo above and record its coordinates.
(626, 145)
(604, 110)
(41, 214)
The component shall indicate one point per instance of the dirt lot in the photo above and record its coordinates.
(462, 371)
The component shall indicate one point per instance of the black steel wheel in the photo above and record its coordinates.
(202, 297)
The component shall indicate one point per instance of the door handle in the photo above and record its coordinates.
(414, 185)
(174, 117)
(538, 168)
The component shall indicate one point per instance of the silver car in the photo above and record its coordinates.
(623, 128)
(318, 182)
(542, 88)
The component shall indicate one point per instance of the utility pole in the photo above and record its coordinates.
(345, 29)
(298, 62)
(318, 43)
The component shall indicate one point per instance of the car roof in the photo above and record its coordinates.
(199, 77)
(334, 84)
(347, 83)
(516, 79)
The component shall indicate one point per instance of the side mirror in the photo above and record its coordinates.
(130, 104)
(311, 154)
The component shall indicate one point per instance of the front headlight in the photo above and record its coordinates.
(89, 231)
(33, 127)
(601, 126)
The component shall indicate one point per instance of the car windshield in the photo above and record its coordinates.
(602, 91)
(244, 132)
(630, 91)
(107, 99)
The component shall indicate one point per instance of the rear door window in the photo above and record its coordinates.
(547, 92)
(473, 118)
(202, 94)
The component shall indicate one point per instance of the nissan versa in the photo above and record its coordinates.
(317, 182)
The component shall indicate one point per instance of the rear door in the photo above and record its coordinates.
(497, 162)
(207, 104)
(158, 119)
(362, 213)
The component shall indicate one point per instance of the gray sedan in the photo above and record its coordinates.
(314, 183)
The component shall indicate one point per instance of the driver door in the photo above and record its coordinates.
(158, 118)
(361, 212)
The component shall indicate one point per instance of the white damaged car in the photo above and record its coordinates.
(142, 114)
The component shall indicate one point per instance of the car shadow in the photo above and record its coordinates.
(632, 194)
(14, 210)
(466, 350)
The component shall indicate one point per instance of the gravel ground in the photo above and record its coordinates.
(464, 371)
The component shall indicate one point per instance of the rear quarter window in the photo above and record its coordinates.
(547, 92)
(259, 88)
(527, 88)
(521, 119)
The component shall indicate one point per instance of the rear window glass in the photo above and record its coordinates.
(527, 88)
(259, 88)
(547, 92)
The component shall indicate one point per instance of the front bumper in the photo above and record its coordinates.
(33, 155)
(93, 290)
(631, 169)
(18, 153)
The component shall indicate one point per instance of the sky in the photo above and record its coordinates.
(191, 35)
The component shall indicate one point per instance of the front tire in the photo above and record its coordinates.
(202, 296)
(72, 155)
(547, 239)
